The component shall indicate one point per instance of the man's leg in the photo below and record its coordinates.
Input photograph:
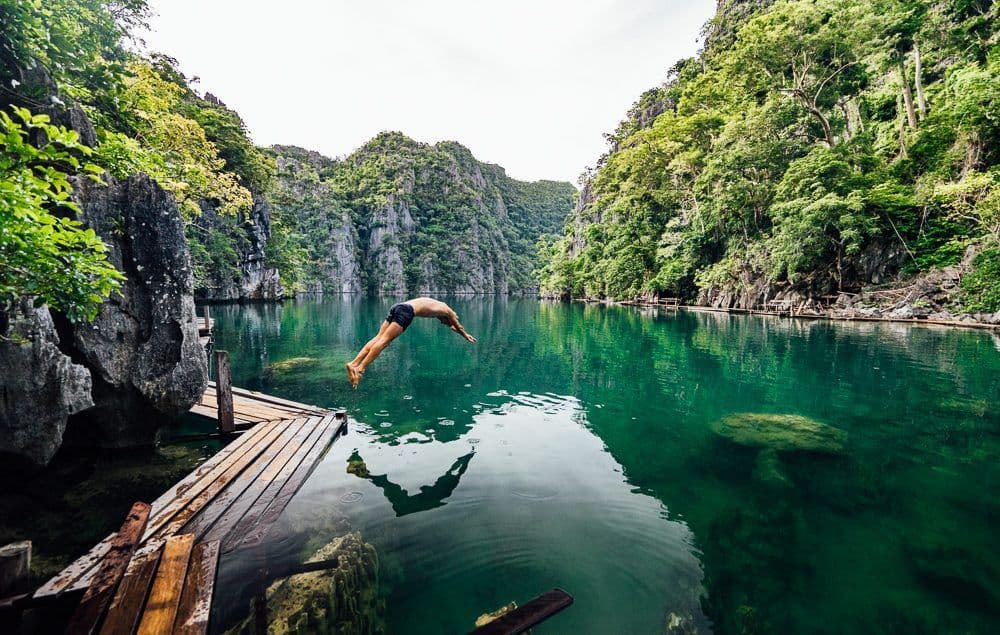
(391, 332)
(368, 346)
(352, 366)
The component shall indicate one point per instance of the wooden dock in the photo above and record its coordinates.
(228, 502)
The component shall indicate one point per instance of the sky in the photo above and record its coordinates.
(531, 85)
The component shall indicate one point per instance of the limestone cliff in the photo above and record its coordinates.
(399, 216)
(142, 349)
(114, 381)
(234, 265)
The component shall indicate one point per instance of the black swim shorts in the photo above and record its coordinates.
(401, 314)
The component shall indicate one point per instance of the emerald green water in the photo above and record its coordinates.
(573, 446)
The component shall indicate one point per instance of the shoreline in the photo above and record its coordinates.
(972, 324)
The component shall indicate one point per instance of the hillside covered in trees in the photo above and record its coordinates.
(395, 216)
(401, 216)
(813, 147)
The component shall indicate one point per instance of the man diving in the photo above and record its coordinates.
(400, 316)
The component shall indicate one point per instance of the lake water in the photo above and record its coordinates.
(579, 447)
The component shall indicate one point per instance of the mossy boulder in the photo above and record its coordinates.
(781, 432)
(342, 600)
(290, 365)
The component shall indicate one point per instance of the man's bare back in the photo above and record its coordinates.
(400, 316)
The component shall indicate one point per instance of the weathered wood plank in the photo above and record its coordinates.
(76, 575)
(104, 584)
(291, 486)
(224, 391)
(196, 599)
(249, 408)
(524, 617)
(189, 507)
(208, 513)
(221, 527)
(256, 512)
(211, 412)
(259, 396)
(126, 608)
(165, 596)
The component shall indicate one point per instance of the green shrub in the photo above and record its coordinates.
(981, 286)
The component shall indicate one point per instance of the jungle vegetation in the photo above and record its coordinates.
(804, 133)
(453, 200)
(147, 117)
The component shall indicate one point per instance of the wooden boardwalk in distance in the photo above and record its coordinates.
(229, 501)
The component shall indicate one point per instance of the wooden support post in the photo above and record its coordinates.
(15, 560)
(224, 392)
(208, 318)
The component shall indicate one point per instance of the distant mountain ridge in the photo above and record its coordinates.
(399, 216)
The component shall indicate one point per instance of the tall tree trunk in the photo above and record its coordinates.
(911, 114)
(918, 82)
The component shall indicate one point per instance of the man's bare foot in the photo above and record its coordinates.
(353, 375)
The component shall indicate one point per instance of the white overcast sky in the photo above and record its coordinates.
(529, 84)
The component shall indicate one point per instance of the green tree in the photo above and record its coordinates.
(44, 252)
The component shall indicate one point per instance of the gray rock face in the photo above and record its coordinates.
(39, 385)
(142, 349)
(253, 279)
(389, 223)
(35, 80)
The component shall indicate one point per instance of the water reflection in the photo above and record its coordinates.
(429, 497)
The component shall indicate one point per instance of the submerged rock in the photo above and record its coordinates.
(780, 432)
(290, 365)
(339, 600)
(39, 385)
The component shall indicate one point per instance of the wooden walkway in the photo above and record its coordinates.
(251, 408)
(228, 502)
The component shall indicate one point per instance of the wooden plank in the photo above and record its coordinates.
(165, 596)
(196, 599)
(187, 508)
(524, 617)
(123, 614)
(104, 584)
(291, 453)
(76, 575)
(224, 391)
(256, 512)
(259, 396)
(291, 486)
(210, 408)
(206, 516)
(211, 412)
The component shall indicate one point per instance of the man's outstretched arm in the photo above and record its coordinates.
(451, 321)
